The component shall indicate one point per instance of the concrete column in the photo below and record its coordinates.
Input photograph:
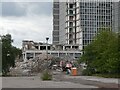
(25, 57)
(38, 47)
(50, 53)
(66, 53)
(63, 47)
(74, 55)
(58, 53)
(33, 55)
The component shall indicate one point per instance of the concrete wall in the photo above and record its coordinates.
(116, 13)
(62, 32)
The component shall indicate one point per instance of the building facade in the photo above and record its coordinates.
(56, 22)
(80, 20)
(116, 16)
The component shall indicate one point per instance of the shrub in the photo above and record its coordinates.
(46, 76)
(108, 75)
(88, 71)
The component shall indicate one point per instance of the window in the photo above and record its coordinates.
(77, 55)
(71, 5)
(56, 33)
(107, 12)
(56, 27)
(71, 17)
(56, 16)
(70, 11)
(56, 22)
(107, 24)
(71, 24)
(108, 6)
(85, 42)
(55, 38)
(56, 5)
(56, 11)
(71, 30)
(71, 42)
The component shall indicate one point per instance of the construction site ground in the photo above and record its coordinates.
(60, 80)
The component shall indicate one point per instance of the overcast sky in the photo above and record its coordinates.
(26, 21)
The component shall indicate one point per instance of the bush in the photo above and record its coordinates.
(108, 75)
(88, 72)
(46, 76)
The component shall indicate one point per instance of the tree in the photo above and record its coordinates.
(9, 53)
(6, 52)
(102, 54)
(119, 50)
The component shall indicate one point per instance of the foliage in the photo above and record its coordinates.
(87, 72)
(107, 75)
(9, 53)
(17, 51)
(102, 54)
(46, 75)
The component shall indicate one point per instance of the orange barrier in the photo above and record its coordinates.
(74, 71)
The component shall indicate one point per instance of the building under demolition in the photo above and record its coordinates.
(31, 49)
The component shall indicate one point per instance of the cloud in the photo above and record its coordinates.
(35, 28)
(32, 23)
(19, 9)
(26, 0)
(11, 9)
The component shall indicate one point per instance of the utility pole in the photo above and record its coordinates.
(47, 38)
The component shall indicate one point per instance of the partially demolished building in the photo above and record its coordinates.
(32, 49)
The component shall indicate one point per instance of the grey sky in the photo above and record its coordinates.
(21, 9)
(12, 9)
(27, 20)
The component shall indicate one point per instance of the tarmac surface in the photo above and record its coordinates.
(89, 80)
(35, 82)
(60, 80)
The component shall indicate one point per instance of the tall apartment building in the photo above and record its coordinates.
(80, 20)
(116, 16)
(56, 22)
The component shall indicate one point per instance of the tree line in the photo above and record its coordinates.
(102, 55)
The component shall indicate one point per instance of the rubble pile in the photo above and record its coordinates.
(42, 62)
(36, 65)
(20, 69)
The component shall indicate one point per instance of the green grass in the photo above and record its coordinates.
(107, 75)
